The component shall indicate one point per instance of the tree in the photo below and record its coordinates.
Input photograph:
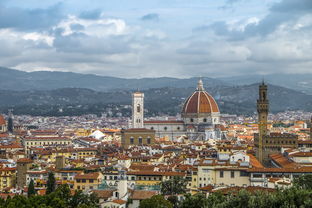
(156, 201)
(304, 181)
(31, 189)
(50, 183)
(174, 186)
(195, 201)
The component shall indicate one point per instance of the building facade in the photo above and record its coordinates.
(137, 136)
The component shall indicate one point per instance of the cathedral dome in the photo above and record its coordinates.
(2, 120)
(200, 102)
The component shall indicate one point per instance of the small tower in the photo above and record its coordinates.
(22, 166)
(263, 111)
(138, 110)
(59, 162)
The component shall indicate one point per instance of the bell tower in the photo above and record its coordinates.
(263, 111)
(138, 110)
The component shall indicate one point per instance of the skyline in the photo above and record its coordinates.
(157, 39)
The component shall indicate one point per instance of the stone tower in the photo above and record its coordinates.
(59, 162)
(263, 111)
(138, 110)
(22, 166)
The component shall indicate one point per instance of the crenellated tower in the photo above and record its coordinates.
(263, 111)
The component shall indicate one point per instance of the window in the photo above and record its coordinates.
(91, 180)
(243, 173)
(148, 140)
(140, 140)
(131, 140)
(178, 128)
(152, 128)
(83, 180)
(138, 108)
(192, 120)
(221, 174)
(205, 120)
(232, 174)
(165, 128)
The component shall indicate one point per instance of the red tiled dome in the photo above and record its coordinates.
(200, 102)
(2, 120)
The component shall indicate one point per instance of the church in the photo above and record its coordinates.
(200, 118)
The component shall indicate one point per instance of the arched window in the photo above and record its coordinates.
(138, 108)
(192, 120)
(205, 120)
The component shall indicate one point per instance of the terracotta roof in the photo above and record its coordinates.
(206, 188)
(47, 138)
(137, 130)
(2, 120)
(200, 102)
(301, 154)
(24, 160)
(282, 161)
(164, 122)
(140, 195)
(119, 201)
(281, 170)
(104, 194)
(254, 161)
(88, 176)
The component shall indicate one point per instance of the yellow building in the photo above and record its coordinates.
(138, 136)
(217, 173)
(30, 142)
(82, 132)
(7, 177)
(88, 181)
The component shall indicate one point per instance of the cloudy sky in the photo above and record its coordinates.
(155, 38)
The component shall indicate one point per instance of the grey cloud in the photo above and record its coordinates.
(77, 27)
(150, 17)
(92, 14)
(30, 19)
(282, 12)
(82, 43)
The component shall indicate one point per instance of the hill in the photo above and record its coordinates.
(45, 80)
(76, 101)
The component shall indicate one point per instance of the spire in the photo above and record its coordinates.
(200, 85)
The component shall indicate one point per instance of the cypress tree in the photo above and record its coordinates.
(50, 183)
(10, 125)
(31, 189)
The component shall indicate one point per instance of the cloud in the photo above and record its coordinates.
(30, 19)
(150, 17)
(280, 13)
(91, 14)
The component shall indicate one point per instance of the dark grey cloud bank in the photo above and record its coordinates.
(31, 19)
(91, 42)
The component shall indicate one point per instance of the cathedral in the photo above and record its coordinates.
(200, 118)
